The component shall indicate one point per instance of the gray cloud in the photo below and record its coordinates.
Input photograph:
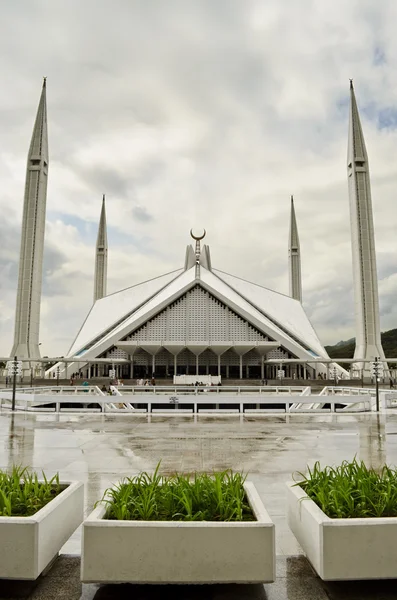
(104, 180)
(197, 113)
(141, 214)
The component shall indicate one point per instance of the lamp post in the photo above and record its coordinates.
(335, 375)
(376, 371)
(14, 368)
(57, 375)
(14, 381)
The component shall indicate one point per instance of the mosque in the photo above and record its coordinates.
(197, 319)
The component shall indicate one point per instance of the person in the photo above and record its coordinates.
(146, 382)
(103, 388)
(391, 383)
(153, 381)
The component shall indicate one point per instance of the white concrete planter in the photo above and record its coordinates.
(179, 551)
(343, 549)
(28, 544)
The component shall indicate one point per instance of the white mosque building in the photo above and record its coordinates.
(197, 319)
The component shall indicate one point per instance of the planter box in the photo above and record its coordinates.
(343, 549)
(179, 551)
(28, 544)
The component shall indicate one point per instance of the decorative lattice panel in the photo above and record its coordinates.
(208, 358)
(197, 317)
(217, 320)
(156, 329)
(116, 353)
(278, 353)
(142, 358)
(230, 358)
(251, 358)
(197, 307)
(186, 358)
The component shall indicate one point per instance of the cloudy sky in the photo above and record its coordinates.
(203, 113)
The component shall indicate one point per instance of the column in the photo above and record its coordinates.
(131, 367)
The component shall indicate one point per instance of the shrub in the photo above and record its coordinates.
(217, 497)
(352, 490)
(22, 494)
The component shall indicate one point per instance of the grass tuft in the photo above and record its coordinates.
(22, 494)
(202, 497)
(352, 490)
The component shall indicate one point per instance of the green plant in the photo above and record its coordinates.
(202, 497)
(22, 494)
(352, 490)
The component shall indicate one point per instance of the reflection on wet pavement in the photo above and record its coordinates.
(99, 450)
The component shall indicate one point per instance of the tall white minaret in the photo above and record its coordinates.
(294, 258)
(27, 315)
(365, 278)
(101, 256)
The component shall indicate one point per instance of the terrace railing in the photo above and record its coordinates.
(180, 399)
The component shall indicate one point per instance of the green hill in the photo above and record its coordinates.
(346, 349)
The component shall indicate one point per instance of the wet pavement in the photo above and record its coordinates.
(101, 449)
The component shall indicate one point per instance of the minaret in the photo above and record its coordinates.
(294, 258)
(27, 315)
(365, 279)
(101, 256)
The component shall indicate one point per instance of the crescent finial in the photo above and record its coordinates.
(195, 237)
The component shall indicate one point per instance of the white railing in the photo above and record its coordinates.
(346, 391)
(191, 390)
(179, 403)
(51, 390)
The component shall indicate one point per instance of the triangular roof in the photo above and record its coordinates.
(275, 315)
(283, 311)
(107, 312)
